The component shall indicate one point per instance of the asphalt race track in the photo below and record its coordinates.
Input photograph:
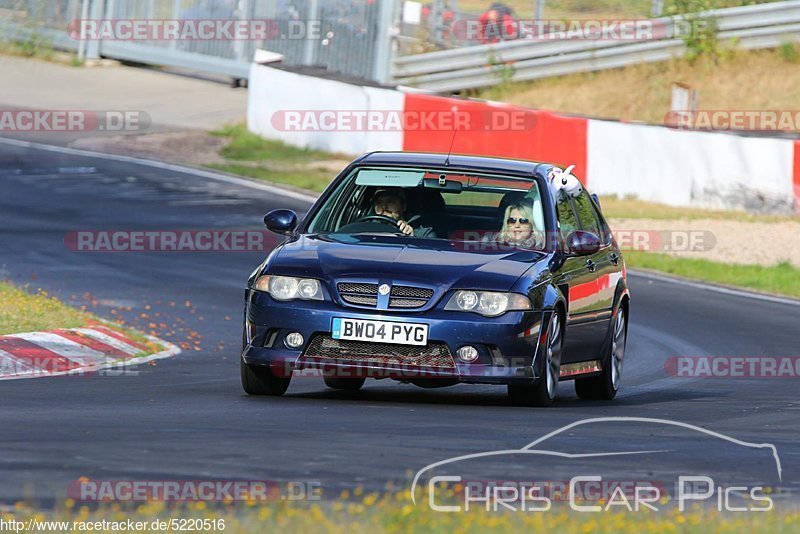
(187, 417)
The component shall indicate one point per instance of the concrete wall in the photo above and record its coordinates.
(277, 97)
(656, 163)
(688, 168)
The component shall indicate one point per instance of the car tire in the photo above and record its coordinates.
(262, 381)
(543, 392)
(605, 385)
(350, 384)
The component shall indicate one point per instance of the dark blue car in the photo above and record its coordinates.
(437, 270)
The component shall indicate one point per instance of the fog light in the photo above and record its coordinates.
(467, 354)
(294, 340)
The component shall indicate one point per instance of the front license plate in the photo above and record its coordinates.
(380, 331)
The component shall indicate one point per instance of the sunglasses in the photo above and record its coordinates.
(512, 220)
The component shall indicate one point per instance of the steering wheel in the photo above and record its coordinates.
(384, 219)
(376, 218)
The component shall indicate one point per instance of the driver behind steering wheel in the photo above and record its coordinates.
(392, 203)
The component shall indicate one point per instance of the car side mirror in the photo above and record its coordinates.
(580, 243)
(281, 221)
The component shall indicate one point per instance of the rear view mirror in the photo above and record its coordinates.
(442, 184)
(580, 243)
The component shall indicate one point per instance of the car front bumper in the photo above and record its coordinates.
(507, 345)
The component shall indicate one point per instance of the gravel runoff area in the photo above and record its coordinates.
(727, 241)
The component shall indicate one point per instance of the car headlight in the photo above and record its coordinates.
(289, 287)
(487, 303)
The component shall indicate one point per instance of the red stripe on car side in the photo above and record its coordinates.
(588, 289)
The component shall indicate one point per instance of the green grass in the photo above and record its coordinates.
(781, 279)
(25, 312)
(248, 154)
(311, 179)
(642, 92)
(37, 46)
(22, 312)
(244, 145)
(632, 208)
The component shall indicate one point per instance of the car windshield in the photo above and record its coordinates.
(432, 204)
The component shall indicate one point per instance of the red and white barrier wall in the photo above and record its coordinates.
(660, 164)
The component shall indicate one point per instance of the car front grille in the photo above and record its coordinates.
(411, 292)
(362, 300)
(360, 289)
(401, 297)
(407, 303)
(325, 348)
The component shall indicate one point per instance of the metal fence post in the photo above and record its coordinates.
(243, 13)
(538, 13)
(176, 14)
(95, 13)
(437, 19)
(385, 43)
(309, 52)
(82, 43)
(657, 8)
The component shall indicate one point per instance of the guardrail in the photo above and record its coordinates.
(756, 26)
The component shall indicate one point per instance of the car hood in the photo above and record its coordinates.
(453, 264)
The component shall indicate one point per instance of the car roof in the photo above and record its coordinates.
(456, 162)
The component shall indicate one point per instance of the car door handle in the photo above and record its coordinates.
(614, 258)
(592, 266)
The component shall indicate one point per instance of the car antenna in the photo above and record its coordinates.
(452, 142)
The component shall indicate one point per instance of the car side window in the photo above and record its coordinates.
(566, 216)
(586, 214)
(605, 230)
(333, 214)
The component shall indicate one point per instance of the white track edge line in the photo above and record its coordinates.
(174, 167)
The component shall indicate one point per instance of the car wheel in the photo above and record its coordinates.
(543, 392)
(262, 381)
(605, 385)
(351, 384)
